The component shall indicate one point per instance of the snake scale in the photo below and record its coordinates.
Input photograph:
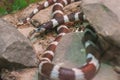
(93, 53)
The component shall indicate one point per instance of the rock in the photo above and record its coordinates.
(23, 74)
(70, 53)
(112, 5)
(107, 24)
(104, 21)
(84, 2)
(15, 49)
(104, 71)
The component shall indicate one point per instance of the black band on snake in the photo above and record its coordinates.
(93, 53)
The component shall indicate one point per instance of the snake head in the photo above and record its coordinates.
(22, 21)
(36, 32)
(40, 29)
(35, 23)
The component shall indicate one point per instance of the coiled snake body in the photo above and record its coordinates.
(93, 53)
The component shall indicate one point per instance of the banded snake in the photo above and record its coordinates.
(89, 40)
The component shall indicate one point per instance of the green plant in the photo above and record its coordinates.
(19, 4)
(3, 11)
(10, 6)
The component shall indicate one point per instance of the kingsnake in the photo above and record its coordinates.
(56, 72)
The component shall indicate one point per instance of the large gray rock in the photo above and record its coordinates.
(107, 24)
(103, 20)
(15, 49)
(70, 53)
(113, 5)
